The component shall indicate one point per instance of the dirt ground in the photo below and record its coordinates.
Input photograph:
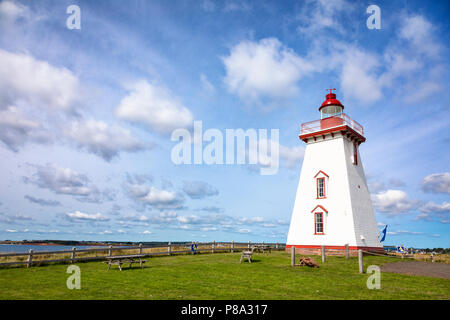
(418, 268)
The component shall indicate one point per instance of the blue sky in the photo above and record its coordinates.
(86, 115)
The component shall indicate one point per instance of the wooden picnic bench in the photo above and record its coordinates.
(119, 260)
(247, 255)
(262, 247)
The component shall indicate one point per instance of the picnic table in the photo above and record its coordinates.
(119, 260)
(247, 254)
(262, 247)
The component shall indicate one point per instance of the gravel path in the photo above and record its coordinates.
(419, 268)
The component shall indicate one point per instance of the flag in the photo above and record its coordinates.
(383, 233)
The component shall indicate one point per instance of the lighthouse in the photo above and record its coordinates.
(332, 206)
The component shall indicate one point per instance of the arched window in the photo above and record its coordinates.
(321, 184)
(318, 223)
(319, 219)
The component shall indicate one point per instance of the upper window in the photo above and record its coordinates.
(321, 184)
(320, 187)
(355, 154)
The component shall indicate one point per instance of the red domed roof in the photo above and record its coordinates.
(331, 100)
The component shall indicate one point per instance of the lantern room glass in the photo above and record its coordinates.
(330, 111)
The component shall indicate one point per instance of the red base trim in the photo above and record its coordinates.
(333, 247)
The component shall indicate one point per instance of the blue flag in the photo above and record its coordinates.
(383, 234)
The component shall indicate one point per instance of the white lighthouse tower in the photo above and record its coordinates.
(332, 207)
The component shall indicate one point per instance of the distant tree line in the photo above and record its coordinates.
(437, 250)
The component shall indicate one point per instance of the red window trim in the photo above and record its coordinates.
(355, 154)
(315, 224)
(320, 173)
(317, 189)
(319, 206)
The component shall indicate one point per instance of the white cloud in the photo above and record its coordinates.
(16, 128)
(437, 183)
(431, 210)
(157, 196)
(188, 219)
(375, 186)
(393, 202)
(152, 196)
(199, 189)
(269, 225)
(264, 69)
(209, 229)
(67, 181)
(291, 155)
(26, 80)
(434, 207)
(13, 218)
(251, 220)
(154, 106)
(414, 233)
(419, 32)
(101, 139)
(43, 202)
(358, 77)
(147, 232)
(11, 11)
(61, 180)
(77, 215)
(323, 15)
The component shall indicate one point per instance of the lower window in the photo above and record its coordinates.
(318, 217)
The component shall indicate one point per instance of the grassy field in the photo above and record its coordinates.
(219, 276)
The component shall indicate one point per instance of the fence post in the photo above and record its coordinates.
(30, 258)
(110, 251)
(169, 248)
(323, 253)
(72, 260)
(232, 246)
(292, 256)
(140, 248)
(360, 261)
(213, 245)
(347, 253)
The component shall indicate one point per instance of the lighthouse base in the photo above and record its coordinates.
(331, 250)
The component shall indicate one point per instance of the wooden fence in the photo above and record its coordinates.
(76, 255)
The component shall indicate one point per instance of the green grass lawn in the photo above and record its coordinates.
(219, 276)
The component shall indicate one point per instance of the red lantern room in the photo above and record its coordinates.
(332, 119)
(331, 111)
(331, 106)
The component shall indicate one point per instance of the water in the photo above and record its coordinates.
(18, 248)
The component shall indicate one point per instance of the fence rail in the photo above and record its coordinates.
(146, 250)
